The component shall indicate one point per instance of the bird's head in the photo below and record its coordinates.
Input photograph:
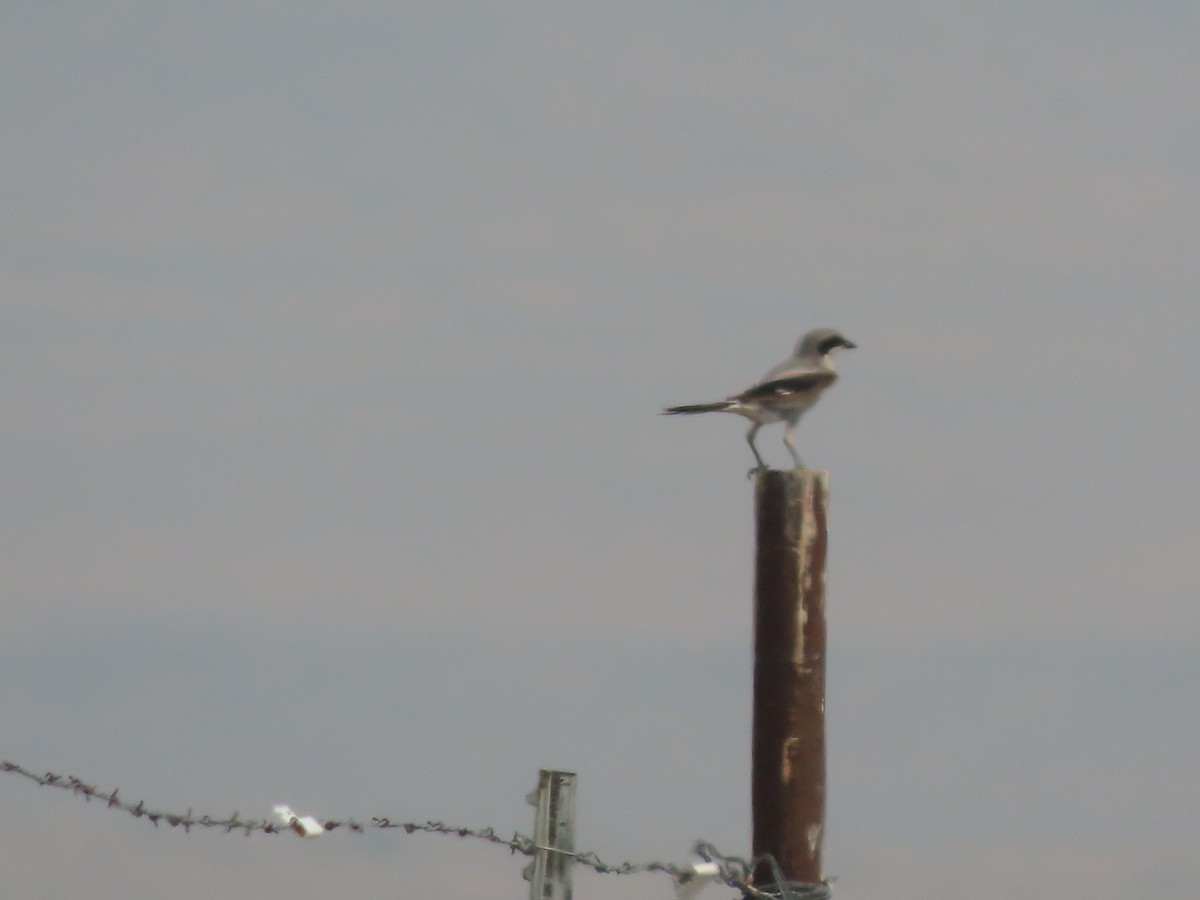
(822, 342)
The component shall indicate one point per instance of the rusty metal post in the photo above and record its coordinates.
(788, 745)
(549, 874)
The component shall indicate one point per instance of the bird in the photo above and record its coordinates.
(784, 394)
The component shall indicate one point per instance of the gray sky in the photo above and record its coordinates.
(334, 338)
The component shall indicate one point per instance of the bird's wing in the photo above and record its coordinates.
(788, 382)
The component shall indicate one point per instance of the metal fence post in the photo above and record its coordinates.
(553, 835)
(788, 779)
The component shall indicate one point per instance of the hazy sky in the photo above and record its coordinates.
(333, 341)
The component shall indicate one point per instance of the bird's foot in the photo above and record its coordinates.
(757, 470)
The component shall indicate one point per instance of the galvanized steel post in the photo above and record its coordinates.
(553, 836)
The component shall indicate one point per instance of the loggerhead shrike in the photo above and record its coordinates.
(785, 393)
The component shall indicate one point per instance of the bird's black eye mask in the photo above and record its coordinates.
(833, 342)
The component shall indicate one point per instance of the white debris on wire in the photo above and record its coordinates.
(695, 879)
(305, 826)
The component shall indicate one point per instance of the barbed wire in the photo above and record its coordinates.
(733, 871)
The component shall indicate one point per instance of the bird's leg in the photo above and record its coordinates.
(787, 440)
(762, 466)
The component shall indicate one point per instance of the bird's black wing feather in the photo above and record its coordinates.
(800, 383)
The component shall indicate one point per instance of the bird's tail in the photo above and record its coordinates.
(694, 408)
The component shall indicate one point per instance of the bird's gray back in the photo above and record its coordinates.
(793, 365)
